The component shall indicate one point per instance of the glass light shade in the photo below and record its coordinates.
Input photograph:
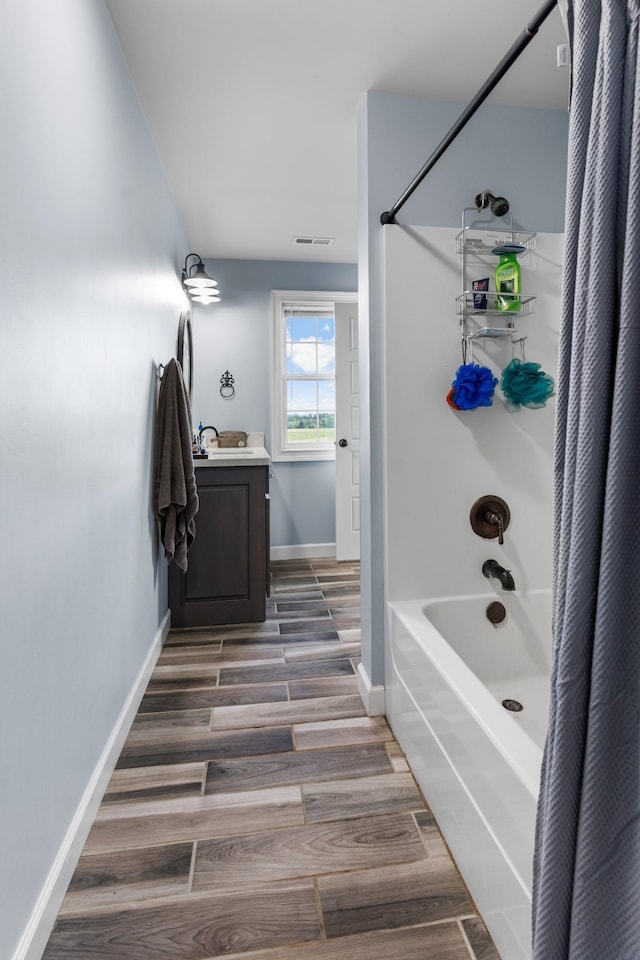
(200, 279)
(203, 297)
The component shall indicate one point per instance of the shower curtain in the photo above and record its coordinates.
(586, 898)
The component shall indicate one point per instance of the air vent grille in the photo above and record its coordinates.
(314, 241)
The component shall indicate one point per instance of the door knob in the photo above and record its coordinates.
(343, 443)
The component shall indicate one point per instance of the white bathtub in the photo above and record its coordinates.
(447, 670)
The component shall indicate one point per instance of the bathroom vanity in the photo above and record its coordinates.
(227, 579)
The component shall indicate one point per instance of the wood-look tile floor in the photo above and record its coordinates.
(257, 812)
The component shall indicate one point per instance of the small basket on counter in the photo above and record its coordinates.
(232, 438)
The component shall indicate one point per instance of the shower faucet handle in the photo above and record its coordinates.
(490, 518)
(496, 520)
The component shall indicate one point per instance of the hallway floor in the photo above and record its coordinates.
(257, 812)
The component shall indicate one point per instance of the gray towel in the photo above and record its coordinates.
(175, 494)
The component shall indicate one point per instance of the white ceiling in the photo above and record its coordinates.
(253, 103)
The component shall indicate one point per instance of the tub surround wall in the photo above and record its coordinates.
(439, 462)
(90, 255)
(521, 154)
(235, 335)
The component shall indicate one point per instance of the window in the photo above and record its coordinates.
(304, 369)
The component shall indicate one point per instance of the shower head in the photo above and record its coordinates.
(498, 205)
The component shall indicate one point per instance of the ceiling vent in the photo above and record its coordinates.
(313, 241)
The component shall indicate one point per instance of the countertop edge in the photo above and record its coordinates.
(258, 459)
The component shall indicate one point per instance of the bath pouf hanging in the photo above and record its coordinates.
(473, 387)
(524, 384)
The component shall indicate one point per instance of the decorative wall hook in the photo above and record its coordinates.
(227, 389)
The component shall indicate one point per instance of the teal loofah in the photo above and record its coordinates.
(526, 385)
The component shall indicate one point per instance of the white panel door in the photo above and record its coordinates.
(347, 433)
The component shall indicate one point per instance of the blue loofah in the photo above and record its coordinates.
(526, 385)
(473, 387)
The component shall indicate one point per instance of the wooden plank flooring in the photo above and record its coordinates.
(256, 812)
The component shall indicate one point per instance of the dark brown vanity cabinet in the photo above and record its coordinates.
(227, 577)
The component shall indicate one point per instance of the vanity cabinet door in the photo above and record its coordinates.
(226, 580)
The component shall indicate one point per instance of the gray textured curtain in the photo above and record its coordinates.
(586, 903)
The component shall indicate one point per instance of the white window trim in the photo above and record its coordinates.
(278, 451)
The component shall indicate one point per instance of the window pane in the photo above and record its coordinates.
(326, 329)
(302, 395)
(326, 357)
(302, 428)
(302, 358)
(327, 395)
(327, 427)
(326, 345)
(301, 328)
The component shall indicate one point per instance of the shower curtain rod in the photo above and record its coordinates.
(507, 61)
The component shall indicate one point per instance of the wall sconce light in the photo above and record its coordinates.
(197, 283)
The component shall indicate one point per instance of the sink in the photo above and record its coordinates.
(230, 452)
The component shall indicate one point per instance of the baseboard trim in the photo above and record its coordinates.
(372, 697)
(37, 932)
(303, 551)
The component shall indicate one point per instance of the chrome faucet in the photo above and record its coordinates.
(491, 568)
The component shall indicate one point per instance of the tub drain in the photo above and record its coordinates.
(514, 705)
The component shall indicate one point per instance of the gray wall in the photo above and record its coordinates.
(519, 153)
(90, 247)
(234, 335)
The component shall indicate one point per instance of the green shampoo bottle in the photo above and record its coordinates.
(508, 282)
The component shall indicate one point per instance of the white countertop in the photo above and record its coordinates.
(235, 457)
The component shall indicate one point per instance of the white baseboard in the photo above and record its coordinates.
(303, 551)
(372, 697)
(35, 937)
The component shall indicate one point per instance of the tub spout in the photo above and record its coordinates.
(491, 568)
